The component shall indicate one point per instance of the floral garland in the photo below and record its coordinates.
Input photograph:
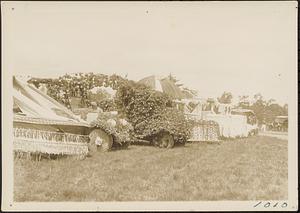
(115, 126)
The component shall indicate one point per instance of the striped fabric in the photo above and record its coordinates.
(163, 85)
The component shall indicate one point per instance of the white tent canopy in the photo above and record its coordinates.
(163, 85)
(35, 104)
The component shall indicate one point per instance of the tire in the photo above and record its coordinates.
(166, 141)
(155, 141)
(100, 141)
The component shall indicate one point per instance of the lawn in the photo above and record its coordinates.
(245, 169)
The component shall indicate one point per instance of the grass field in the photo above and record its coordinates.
(245, 169)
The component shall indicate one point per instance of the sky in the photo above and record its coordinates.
(240, 47)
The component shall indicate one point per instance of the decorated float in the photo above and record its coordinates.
(217, 120)
(42, 125)
(203, 129)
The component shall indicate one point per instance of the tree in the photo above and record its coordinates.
(286, 108)
(266, 111)
(272, 111)
(225, 98)
(270, 101)
(258, 96)
(243, 101)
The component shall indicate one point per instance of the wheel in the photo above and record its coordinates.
(155, 141)
(100, 140)
(166, 141)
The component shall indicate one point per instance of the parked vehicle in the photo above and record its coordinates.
(107, 129)
(281, 123)
(153, 117)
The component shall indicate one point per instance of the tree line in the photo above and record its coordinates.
(266, 110)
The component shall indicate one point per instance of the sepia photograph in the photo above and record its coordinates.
(149, 106)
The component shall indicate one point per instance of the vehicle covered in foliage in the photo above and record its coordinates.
(109, 131)
(152, 115)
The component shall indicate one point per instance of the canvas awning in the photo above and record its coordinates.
(33, 103)
(164, 85)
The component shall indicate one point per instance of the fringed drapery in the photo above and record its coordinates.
(32, 140)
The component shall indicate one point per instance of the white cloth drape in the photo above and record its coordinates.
(231, 126)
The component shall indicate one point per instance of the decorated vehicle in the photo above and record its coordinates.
(202, 129)
(152, 115)
(103, 120)
(42, 125)
(214, 121)
(108, 130)
(280, 123)
(252, 126)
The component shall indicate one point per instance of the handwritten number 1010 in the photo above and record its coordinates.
(268, 204)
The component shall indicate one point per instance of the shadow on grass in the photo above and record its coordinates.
(204, 142)
(117, 149)
(36, 156)
(141, 143)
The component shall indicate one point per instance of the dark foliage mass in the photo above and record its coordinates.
(151, 112)
(114, 125)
